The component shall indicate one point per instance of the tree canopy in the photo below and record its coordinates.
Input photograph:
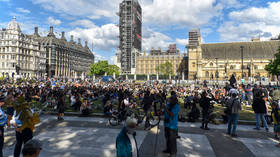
(102, 67)
(165, 69)
(274, 66)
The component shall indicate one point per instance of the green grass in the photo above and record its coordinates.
(246, 113)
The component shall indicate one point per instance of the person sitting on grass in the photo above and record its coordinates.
(108, 108)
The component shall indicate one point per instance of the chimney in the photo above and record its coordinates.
(79, 41)
(72, 38)
(51, 32)
(51, 29)
(36, 33)
(63, 36)
(86, 44)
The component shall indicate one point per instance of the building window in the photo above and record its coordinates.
(211, 64)
(231, 67)
(207, 74)
(256, 67)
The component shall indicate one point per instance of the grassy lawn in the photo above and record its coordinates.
(247, 113)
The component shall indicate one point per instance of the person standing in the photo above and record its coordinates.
(171, 111)
(234, 106)
(260, 109)
(3, 122)
(24, 121)
(126, 144)
(205, 105)
(61, 105)
(249, 94)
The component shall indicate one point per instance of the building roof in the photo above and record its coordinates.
(252, 50)
(61, 42)
(14, 25)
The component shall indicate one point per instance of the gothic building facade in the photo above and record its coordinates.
(218, 61)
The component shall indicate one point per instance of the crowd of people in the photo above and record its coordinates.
(17, 102)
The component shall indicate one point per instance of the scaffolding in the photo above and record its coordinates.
(130, 24)
(194, 37)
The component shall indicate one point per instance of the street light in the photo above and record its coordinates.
(216, 70)
(242, 48)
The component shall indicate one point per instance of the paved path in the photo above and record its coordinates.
(92, 137)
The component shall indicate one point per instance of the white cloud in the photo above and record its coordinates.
(186, 13)
(155, 40)
(84, 23)
(22, 10)
(231, 4)
(4, 0)
(182, 42)
(52, 21)
(252, 22)
(94, 9)
(183, 13)
(102, 38)
(98, 57)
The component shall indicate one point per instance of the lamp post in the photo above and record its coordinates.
(242, 48)
(216, 70)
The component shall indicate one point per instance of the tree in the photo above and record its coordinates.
(102, 67)
(113, 69)
(273, 67)
(165, 69)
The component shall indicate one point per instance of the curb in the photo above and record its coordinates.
(241, 122)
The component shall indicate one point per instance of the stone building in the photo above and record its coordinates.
(35, 56)
(20, 50)
(218, 61)
(65, 59)
(147, 64)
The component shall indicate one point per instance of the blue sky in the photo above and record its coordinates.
(164, 21)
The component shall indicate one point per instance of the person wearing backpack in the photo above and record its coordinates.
(24, 121)
(234, 106)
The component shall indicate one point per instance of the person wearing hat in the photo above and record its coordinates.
(126, 144)
(32, 148)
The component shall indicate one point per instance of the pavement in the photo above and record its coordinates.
(93, 137)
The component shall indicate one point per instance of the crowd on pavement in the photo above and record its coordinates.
(18, 102)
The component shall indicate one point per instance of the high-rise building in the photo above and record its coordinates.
(130, 34)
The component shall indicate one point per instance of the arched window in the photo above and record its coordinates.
(211, 64)
(231, 67)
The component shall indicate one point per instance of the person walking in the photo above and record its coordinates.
(171, 111)
(126, 144)
(260, 109)
(234, 106)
